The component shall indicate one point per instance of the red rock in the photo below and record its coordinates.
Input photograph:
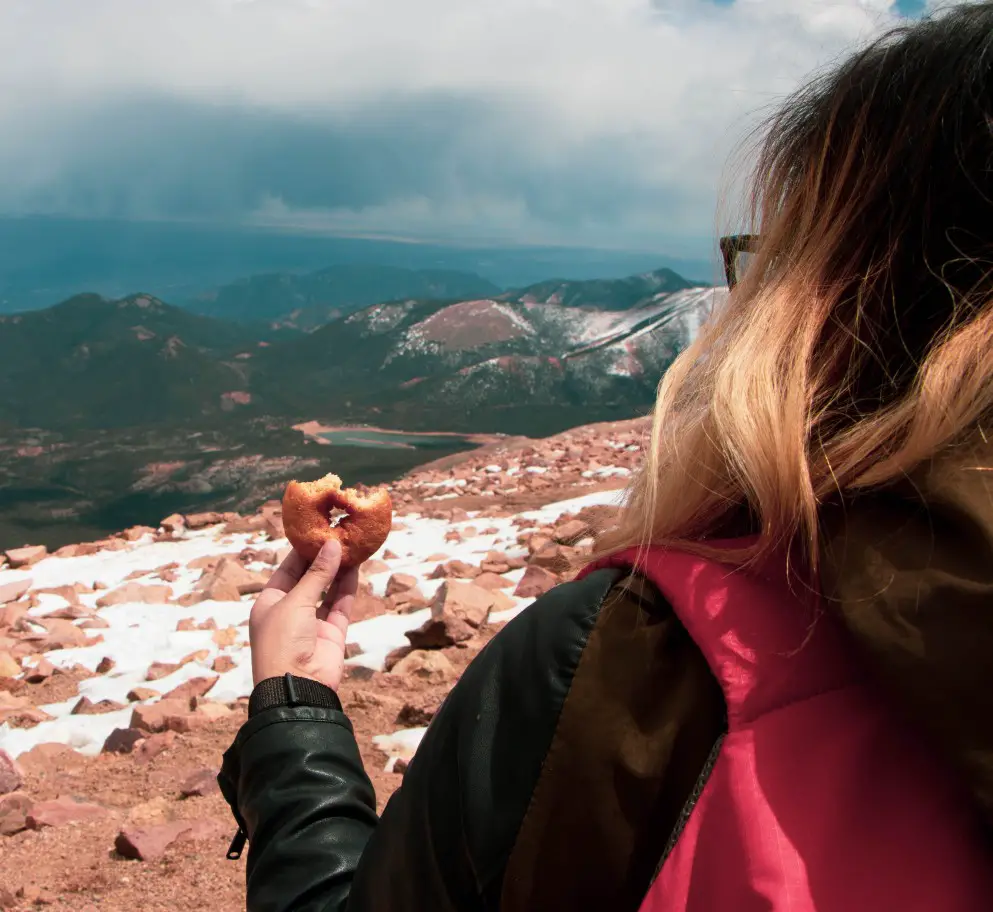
(453, 535)
(86, 707)
(47, 757)
(185, 624)
(62, 811)
(536, 581)
(492, 581)
(223, 664)
(93, 623)
(200, 655)
(139, 694)
(151, 594)
(466, 601)
(193, 687)
(28, 717)
(70, 593)
(437, 556)
(367, 606)
(123, 740)
(352, 650)
(400, 766)
(26, 556)
(155, 717)
(418, 710)
(454, 568)
(557, 558)
(200, 784)
(428, 667)
(14, 808)
(11, 775)
(400, 582)
(243, 524)
(105, 664)
(11, 613)
(12, 591)
(394, 656)
(149, 842)
(228, 581)
(9, 666)
(154, 745)
(202, 520)
(71, 613)
(158, 670)
(390, 555)
(407, 602)
(439, 633)
(226, 636)
(59, 634)
(206, 711)
(568, 533)
(174, 524)
(374, 566)
(41, 672)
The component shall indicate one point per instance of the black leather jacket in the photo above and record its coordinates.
(464, 830)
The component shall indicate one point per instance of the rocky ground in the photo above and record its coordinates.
(124, 667)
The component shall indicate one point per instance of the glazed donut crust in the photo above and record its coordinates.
(306, 518)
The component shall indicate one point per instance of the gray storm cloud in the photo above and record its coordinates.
(593, 121)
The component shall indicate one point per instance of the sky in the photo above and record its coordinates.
(606, 123)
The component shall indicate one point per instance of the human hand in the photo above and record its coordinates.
(299, 621)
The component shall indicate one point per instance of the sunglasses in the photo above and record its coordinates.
(736, 250)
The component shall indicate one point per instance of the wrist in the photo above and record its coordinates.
(291, 690)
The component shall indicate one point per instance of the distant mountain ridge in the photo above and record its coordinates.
(312, 299)
(92, 363)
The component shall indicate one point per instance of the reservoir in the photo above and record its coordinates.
(373, 438)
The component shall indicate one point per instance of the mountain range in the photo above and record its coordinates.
(92, 363)
(120, 411)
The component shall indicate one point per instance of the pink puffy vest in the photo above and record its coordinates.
(819, 798)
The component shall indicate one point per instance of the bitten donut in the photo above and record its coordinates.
(307, 507)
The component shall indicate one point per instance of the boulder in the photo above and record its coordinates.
(154, 745)
(122, 740)
(86, 707)
(26, 556)
(427, 667)
(200, 784)
(440, 632)
(193, 687)
(11, 591)
(400, 582)
(151, 841)
(535, 582)
(9, 666)
(11, 776)
(14, 808)
(62, 811)
(138, 593)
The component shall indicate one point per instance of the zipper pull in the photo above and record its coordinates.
(237, 845)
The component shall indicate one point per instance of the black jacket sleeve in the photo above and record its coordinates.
(295, 782)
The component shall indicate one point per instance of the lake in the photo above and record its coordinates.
(377, 439)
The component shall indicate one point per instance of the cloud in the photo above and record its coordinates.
(575, 121)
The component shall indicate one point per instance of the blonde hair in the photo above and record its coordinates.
(860, 340)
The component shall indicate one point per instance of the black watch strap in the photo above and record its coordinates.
(291, 690)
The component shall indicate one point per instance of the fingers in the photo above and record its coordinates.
(341, 596)
(288, 573)
(319, 575)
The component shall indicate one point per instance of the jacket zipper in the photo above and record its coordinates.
(694, 797)
(237, 845)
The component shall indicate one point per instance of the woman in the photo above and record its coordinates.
(774, 688)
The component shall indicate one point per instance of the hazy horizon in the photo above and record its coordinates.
(600, 124)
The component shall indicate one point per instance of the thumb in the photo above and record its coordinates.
(320, 574)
